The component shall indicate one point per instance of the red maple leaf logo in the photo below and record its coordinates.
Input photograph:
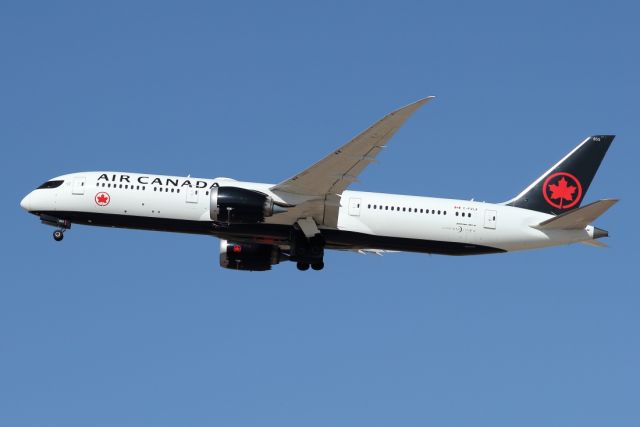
(566, 189)
(562, 191)
(102, 199)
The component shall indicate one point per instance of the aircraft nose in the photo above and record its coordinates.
(25, 203)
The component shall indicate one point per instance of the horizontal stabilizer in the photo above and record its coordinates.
(595, 243)
(577, 218)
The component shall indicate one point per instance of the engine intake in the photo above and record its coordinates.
(236, 205)
(248, 256)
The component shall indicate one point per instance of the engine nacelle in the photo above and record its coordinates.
(236, 205)
(248, 256)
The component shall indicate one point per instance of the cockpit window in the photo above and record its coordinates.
(51, 184)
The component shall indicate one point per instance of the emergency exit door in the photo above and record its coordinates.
(490, 218)
(354, 207)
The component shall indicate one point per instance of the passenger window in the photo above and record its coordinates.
(438, 212)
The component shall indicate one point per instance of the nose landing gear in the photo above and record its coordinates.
(60, 224)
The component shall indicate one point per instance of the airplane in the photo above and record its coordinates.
(260, 225)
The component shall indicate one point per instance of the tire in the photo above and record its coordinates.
(302, 266)
(58, 235)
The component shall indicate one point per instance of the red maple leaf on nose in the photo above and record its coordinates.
(102, 198)
(562, 191)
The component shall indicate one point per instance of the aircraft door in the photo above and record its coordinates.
(78, 185)
(490, 219)
(192, 195)
(354, 207)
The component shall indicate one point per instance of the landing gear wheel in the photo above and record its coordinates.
(317, 265)
(58, 235)
(302, 266)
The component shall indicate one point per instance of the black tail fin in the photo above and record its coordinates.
(563, 187)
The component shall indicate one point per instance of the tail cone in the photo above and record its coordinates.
(599, 233)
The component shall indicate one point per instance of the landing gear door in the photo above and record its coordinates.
(192, 195)
(354, 207)
(490, 219)
(78, 185)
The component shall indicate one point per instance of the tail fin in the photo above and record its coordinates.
(562, 188)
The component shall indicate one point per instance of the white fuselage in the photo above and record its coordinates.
(137, 200)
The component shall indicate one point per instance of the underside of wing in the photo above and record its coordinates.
(334, 173)
(316, 191)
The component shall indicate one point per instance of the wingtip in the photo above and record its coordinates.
(410, 108)
(420, 102)
(425, 99)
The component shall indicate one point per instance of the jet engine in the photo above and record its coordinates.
(248, 256)
(235, 205)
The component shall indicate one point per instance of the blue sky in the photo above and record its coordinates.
(115, 327)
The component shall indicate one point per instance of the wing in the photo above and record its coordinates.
(334, 173)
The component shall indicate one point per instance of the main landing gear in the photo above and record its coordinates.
(304, 266)
(308, 252)
(307, 245)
